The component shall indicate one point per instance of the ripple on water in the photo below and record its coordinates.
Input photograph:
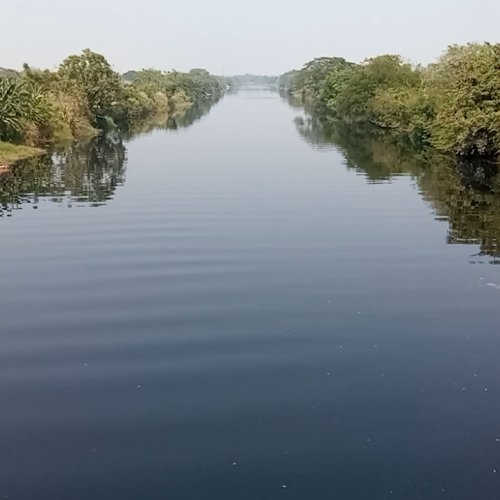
(326, 341)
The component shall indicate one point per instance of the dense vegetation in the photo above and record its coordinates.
(453, 104)
(86, 95)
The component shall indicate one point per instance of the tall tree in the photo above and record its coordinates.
(93, 76)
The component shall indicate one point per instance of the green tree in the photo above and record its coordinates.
(310, 79)
(93, 76)
(465, 85)
(356, 101)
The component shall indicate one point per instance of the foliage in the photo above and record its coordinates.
(357, 100)
(311, 78)
(92, 77)
(465, 84)
(287, 81)
(21, 103)
(453, 104)
(85, 94)
(195, 85)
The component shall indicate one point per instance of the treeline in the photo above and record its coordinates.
(86, 95)
(248, 79)
(452, 105)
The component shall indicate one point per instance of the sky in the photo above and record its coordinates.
(233, 37)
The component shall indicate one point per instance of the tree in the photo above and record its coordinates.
(357, 100)
(93, 76)
(465, 85)
(310, 79)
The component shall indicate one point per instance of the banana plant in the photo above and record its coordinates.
(11, 108)
(20, 102)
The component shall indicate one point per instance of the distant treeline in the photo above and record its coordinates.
(251, 80)
(86, 95)
(452, 105)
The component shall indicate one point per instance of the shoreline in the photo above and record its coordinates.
(12, 153)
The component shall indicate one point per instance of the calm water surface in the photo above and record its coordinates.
(248, 308)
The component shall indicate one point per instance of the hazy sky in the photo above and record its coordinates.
(232, 36)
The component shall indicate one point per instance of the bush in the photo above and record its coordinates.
(453, 104)
(86, 94)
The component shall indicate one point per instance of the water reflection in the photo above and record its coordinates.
(466, 194)
(86, 173)
(193, 114)
(171, 121)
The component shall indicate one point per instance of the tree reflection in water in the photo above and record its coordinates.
(465, 193)
(87, 173)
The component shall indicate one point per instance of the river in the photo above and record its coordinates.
(248, 307)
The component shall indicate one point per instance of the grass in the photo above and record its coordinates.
(10, 153)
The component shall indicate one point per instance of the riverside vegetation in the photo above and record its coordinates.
(452, 105)
(85, 171)
(84, 96)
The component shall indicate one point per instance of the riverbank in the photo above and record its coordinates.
(180, 115)
(12, 153)
(85, 96)
(451, 105)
